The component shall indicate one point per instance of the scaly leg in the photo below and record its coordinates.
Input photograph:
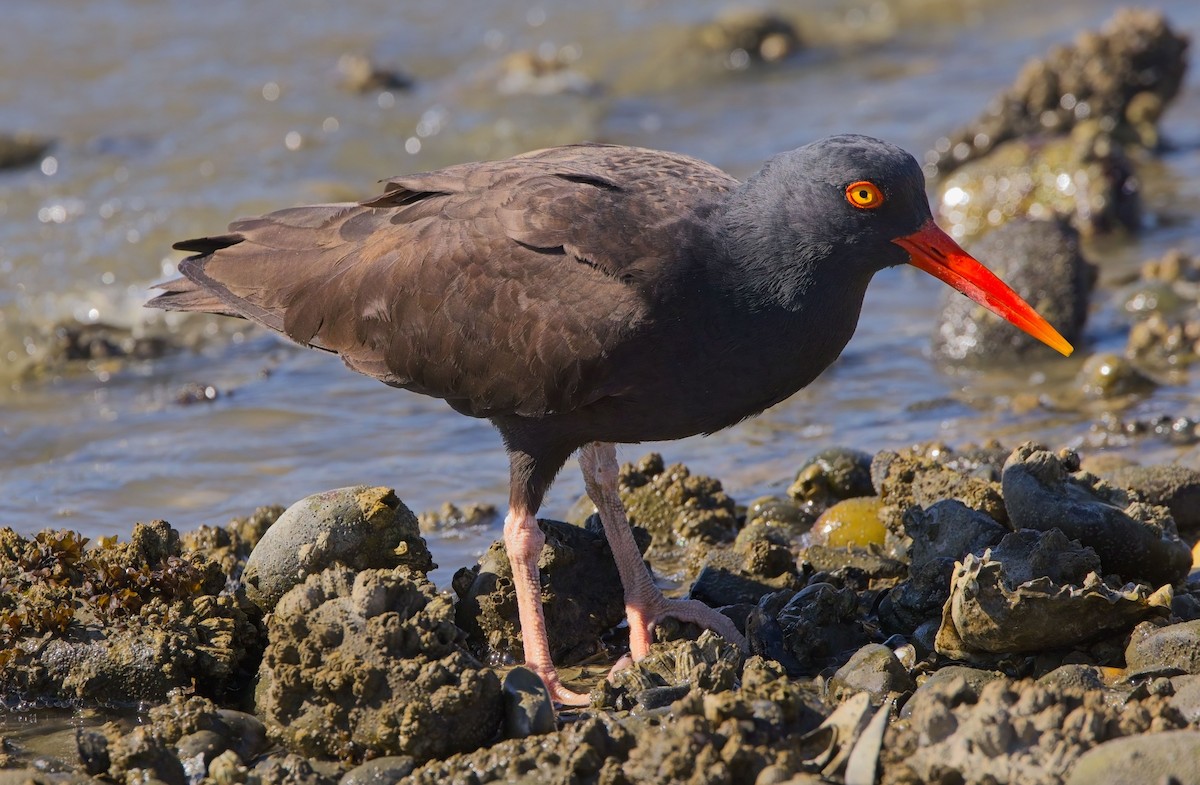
(524, 541)
(645, 604)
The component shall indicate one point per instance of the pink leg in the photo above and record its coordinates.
(524, 541)
(645, 604)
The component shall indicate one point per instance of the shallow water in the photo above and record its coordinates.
(174, 118)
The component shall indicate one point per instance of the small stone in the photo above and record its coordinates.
(873, 669)
(1168, 757)
(528, 710)
(1166, 651)
(380, 771)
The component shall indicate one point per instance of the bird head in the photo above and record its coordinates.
(870, 197)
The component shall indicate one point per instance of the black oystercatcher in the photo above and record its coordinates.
(592, 294)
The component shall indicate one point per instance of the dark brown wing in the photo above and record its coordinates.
(499, 286)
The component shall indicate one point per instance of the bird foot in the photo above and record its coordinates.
(559, 694)
(644, 616)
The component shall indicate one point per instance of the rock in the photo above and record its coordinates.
(22, 149)
(1042, 262)
(1170, 485)
(371, 664)
(528, 710)
(831, 476)
(1164, 651)
(1035, 591)
(380, 771)
(581, 596)
(1173, 756)
(1106, 376)
(543, 72)
(230, 545)
(709, 663)
(851, 523)
(359, 526)
(676, 506)
(361, 75)
(941, 535)
(1017, 732)
(806, 630)
(1085, 179)
(786, 515)
(1124, 77)
(875, 670)
(1135, 541)
(1186, 699)
(948, 686)
(744, 35)
(908, 477)
(118, 622)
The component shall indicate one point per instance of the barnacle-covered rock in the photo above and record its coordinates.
(1123, 77)
(358, 526)
(1036, 591)
(1134, 540)
(117, 622)
(581, 596)
(371, 663)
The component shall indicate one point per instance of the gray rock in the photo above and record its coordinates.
(1164, 651)
(528, 710)
(1173, 486)
(1171, 756)
(1136, 541)
(952, 684)
(1042, 262)
(360, 526)
(875, 670)
(1186, 699)
(380, 771)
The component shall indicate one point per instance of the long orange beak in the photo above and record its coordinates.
(936, 253)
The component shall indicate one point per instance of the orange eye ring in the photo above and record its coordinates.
(864, 195)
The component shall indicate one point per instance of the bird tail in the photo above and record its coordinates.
(184, 294)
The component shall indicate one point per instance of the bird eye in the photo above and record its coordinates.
(864, 195)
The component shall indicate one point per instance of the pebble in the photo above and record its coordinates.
(1168, 757)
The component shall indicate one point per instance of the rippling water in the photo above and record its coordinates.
(174, 118)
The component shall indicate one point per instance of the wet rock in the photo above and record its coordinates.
(1134, 540)
(806, 630)
(709, 663)
(528, 710)
(1042, 262)
(1013, 732)
(875, 670)
(718, 586)
(144, 756)
(195, 392)
(1164, 651)
(831, 476)
(22, 149)
(786, 515)
(361, 75)
(360, 527)
(380, 771)
(581, 596)
(292, 769)
(941, 535)
(1111, 430)
(745, 35)
(1109, 375)
(1164, 342)
(677, 507)
(851, 523)
(371, 664)
(1168, 485)
(1085, 179)
(118, 622)
(1036, 591)
(1173, 756)
(1122, 77)
(910, 478)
